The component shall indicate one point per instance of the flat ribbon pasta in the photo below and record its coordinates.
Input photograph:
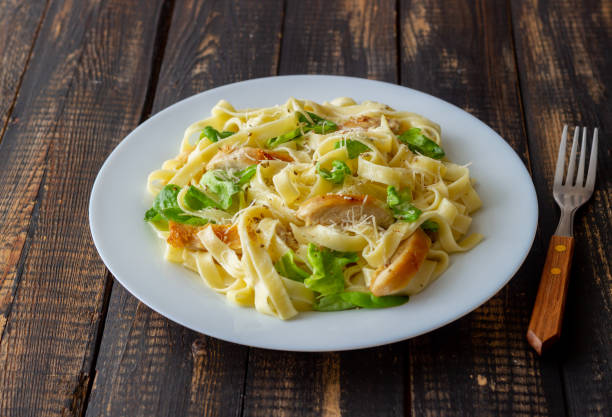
(234, 229)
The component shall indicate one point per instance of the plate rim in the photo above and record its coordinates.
(392, 337)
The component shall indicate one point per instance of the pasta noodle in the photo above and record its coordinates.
(307, 206)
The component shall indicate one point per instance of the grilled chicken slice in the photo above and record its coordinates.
(366, 122)
(338, 209)
(241, 158)
(403, 265)
(185, 236)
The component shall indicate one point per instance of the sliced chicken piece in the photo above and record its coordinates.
(341, 209)
(228, 234)
(241, 158)
(185, 236)
(403, 265)
(366, 122)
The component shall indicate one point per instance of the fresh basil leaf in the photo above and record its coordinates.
(337, 173)
(284, 138)
(367, 300)
(327, 266)
(287, 267)
(430, 225)
(197, 200)
(332, 302)
(222, 185)
(318, 125)
(246, 174)
(213, 134)
(399, 203)
(165, 207)
(417, 142)
(351, 299)
(395, 198)
(353, 147)
(152, 215)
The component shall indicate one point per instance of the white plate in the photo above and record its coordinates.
(133, 253)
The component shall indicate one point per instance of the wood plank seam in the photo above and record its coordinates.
(539, 240)
(519, 91)
(280, 50)
(24, 250)
(398, 43)
(162, 30)
(25, 68)
(246, 371)
(161, 39)
(91, 375)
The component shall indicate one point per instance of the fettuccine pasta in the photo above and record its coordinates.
(306, 206)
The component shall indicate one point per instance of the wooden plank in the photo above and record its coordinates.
(19, 28)
(16, 43)
(350, 38)
(149, 365)
(462, 51)
(562, 50)
(79, 95)
(355, 38)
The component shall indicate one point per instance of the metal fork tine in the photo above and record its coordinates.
(569, 179)
(590, 183)
(561, 158)
(583, 151)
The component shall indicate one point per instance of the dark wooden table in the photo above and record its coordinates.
(77, 76)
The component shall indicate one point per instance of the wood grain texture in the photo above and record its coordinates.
(348, 38)
(81, 93)
(547, 316)
(19, 28)
(149, 365)
(565, 78)
(462, 51)
(16, 43)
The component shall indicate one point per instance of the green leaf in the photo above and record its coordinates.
(395, 198)
(213, 134)
(368, 300)
(165, 207)
(327, 266)
(152, 215)
(339, 170)
(244, 176)
(222, 185)
(399, 203)
(332, 302)
(197, 200)
(284, 138)
(430, 225)
(417, 142)
(352, 299)
(318, 125)
(287, 267)
(353, 147)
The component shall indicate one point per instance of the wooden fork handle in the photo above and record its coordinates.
(545, 325)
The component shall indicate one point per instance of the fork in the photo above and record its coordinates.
(545, 325)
